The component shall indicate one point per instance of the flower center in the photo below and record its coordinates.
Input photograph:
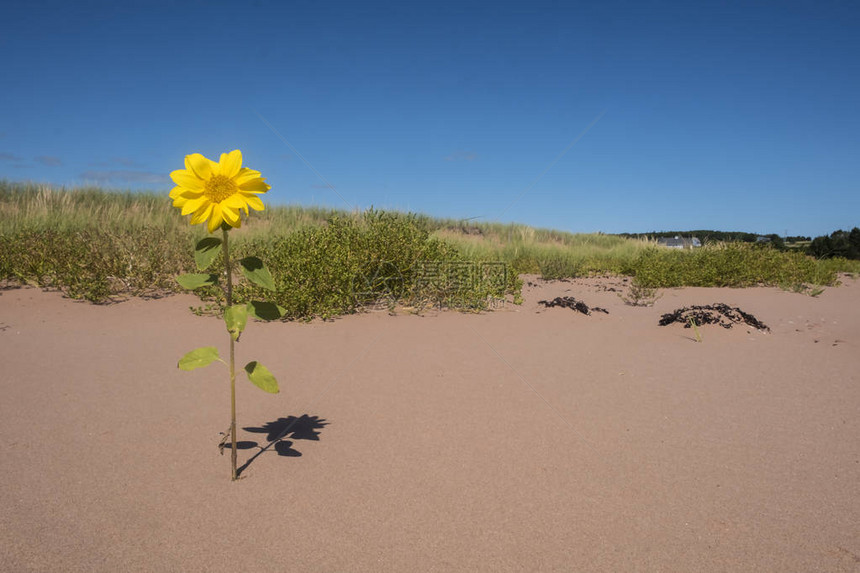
(219, 187)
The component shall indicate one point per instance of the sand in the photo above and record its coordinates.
(526, 439)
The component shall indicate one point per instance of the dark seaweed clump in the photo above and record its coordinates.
(719, 313)
(573, 304)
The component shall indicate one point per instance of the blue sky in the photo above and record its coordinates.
(610, 116)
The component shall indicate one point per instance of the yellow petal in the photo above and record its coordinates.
(234, 201)
(253, 201)
(186, 193)
(257, 185)
(216, 218)
(192, 205)
(230, 215)
(180, 200)
(245, 174)
(199, 165)
(202, 214)
(231, 163)
(186, 179)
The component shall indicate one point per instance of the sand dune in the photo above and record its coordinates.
(527, 439)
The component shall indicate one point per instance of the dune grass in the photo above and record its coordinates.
(99, 244)
(548, 253)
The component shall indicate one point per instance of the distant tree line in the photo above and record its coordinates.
(709, 236)
(838, 244)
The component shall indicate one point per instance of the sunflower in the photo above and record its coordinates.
(217, 192)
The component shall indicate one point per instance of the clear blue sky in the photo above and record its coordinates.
(730, 116)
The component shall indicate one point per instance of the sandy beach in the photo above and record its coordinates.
(525, 439)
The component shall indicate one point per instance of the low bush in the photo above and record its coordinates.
(728, 264)
(378, 258)
(93, 264)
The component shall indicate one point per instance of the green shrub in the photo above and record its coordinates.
(727, 264)
(95, 264)
(353, 262)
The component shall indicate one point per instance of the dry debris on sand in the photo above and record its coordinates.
(573, 304)
(718, 313)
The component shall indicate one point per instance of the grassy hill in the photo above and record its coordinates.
(100, 244)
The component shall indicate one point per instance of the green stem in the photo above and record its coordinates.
(232, 357)
(696, 329)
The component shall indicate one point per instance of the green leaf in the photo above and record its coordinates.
(206, 251)
(265, 310)
(236, 317)
(256, 272)
(260, 376)
(196, 280)
(198, 358)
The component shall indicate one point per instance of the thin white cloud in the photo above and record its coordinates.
(121, 161)
(462, 156)
(125, 162)
(49, 160)
(9, 157)
(117, 176)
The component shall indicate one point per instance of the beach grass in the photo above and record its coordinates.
(100, 244)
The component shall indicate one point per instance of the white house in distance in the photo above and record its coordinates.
(679, 242)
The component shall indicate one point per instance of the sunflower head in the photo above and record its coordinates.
(217, 192)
